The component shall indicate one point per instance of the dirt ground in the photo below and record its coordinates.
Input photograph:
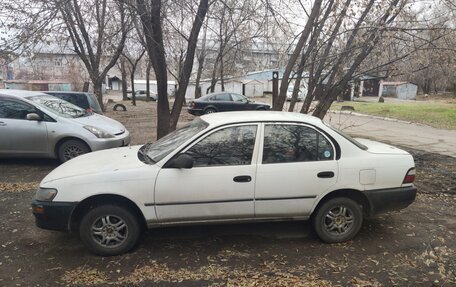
(414, 247)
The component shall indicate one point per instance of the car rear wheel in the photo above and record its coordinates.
(109, 230)
(338, 220)
(72, 148)
(209, 111)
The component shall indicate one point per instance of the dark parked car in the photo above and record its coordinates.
(223, 102)
(83, 100)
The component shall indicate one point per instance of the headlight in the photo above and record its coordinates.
(99, 133)
(45, 194)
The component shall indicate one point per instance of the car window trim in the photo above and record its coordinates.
(215, 129)
(168, 158)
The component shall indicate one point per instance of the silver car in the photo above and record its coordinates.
(33, 124)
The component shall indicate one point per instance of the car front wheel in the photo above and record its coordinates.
(71, 149)
(338, 220)
(109, 230)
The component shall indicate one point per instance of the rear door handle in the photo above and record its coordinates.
(242, 178)
(325, 174)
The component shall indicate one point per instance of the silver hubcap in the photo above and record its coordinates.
(109, 231)
(339, 220)
(72, 152)
(210, 111)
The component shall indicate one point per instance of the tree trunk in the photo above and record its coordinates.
(98, 91)
(149, 66)
(132, 82)
(123, 73)
(222, 80)
(201, 58)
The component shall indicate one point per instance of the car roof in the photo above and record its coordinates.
(259, 116)
(20, 93)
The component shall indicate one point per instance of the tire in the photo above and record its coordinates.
(72, 148)
(209, 111)
(116, 227)
(338, 220)
(261, 109)
(120, 107)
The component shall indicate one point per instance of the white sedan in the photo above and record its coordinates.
(227, 167)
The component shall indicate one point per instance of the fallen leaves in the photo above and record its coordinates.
(18, 186)
(220, 276)
(84, 276)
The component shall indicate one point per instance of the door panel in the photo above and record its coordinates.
(19, 136)
(297, 164)
(218, 186)
(23, 137)
(204, 193)
(296, 190)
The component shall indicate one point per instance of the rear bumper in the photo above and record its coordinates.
(195, 112)
(53, 215)
(383, 200)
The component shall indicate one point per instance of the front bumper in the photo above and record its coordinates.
(118, 141)
(53, 215)
(383, 200)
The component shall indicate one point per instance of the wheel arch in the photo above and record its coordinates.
(64, 139)
(96, 200)
(353, 194)
(209, 107)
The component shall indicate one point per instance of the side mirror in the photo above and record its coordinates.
(33, 117)
(183, 160)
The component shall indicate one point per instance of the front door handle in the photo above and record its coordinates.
(242, 178)
(2, 124)
(325, 174)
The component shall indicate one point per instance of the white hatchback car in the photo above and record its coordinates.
(34, 124)
(227, 167)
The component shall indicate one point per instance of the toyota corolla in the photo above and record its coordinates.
(227, 167)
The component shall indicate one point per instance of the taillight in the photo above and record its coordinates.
(410, 176)
(89, 110)
(192, 104)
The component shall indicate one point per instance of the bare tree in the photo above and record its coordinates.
(98, 30)
(133, 53)
(150, 15)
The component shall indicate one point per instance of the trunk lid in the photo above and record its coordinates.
(380, 148)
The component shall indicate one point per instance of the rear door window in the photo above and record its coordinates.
(295, 143)
(221, 97)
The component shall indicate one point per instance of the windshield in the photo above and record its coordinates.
(58, 106)
(161, 148)
(349, 138)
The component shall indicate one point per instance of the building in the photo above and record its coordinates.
(39, 85)
(400, 90)
(142, 85)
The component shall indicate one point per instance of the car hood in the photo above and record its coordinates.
(380, 148)
(102, 122)
(123, 158)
